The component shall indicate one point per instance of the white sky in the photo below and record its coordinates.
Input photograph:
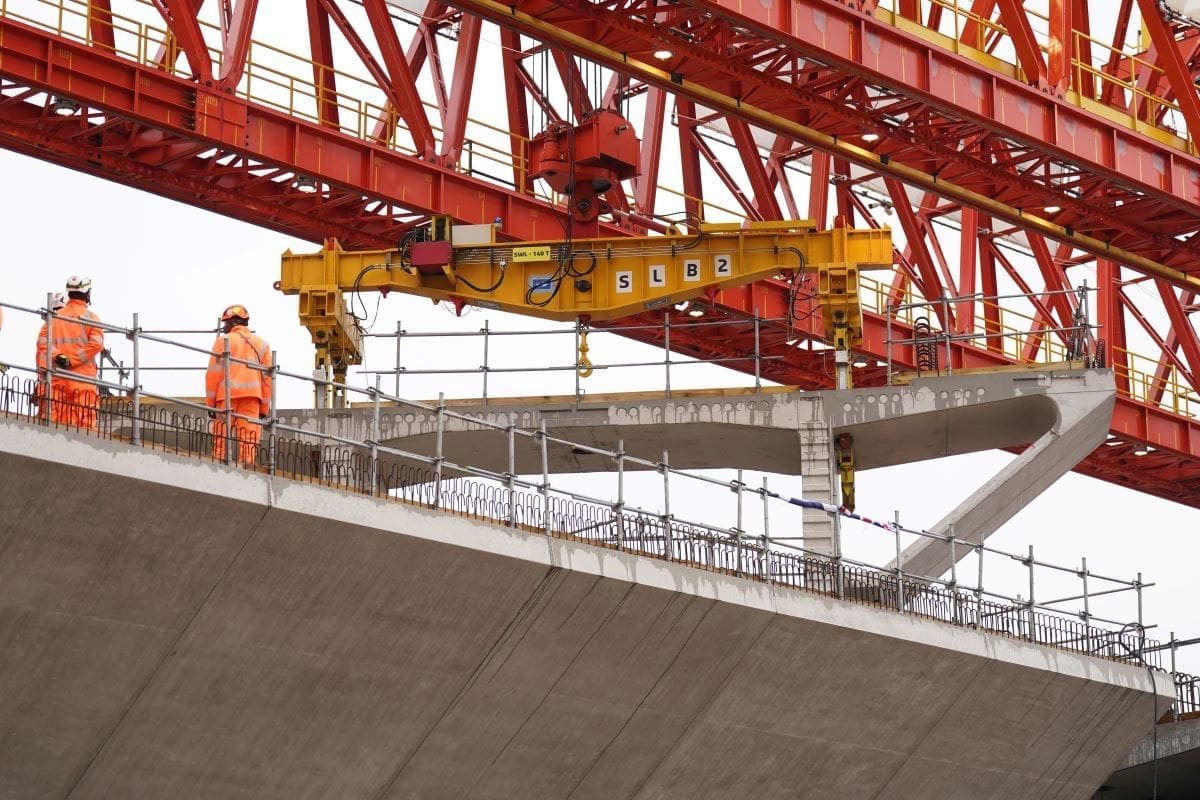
(178, 266)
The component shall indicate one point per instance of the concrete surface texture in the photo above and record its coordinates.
(176, 628)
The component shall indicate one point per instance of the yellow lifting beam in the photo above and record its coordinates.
(591, 279)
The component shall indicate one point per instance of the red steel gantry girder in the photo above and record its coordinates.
(983, 127)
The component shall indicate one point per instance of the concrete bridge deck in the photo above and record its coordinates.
(175, 628)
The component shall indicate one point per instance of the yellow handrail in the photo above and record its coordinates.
(1010, 330)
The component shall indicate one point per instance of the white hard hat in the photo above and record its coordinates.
(78, 283)
(58, 301)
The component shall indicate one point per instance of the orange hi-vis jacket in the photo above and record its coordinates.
(244, 381)
(79, 342)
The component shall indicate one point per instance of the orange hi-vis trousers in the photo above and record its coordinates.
(74, 403)
(246, 433)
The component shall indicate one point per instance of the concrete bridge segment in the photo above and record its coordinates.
(1166, 761)
(172, 628)
(1062, 415)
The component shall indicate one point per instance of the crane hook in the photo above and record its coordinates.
(585, 364)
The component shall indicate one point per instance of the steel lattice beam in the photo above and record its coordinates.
(978, 144)
(225, 123)
(1141, 192)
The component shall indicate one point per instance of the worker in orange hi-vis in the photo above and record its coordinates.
(57, 301)
(76, 344)
(249, 383)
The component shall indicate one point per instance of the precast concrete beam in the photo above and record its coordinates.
(699, 431)
(930, 418)
(1061, 414)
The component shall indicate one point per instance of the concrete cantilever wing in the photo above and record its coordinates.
(1061, 415)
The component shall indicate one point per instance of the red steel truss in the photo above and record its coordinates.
(1010, 153)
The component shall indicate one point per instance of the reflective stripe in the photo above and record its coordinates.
(75, 337)
(249, 377)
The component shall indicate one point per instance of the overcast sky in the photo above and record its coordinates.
(178, 266)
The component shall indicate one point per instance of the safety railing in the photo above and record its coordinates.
(916, 341)
(929, 334)
(1117, 91)
(1187, 694)
(278, 78)
(274, 78)
(507, 353)
(1187, 687)
(918, 338)
(1161, 384)
(517, 491)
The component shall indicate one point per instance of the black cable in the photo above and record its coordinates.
(570, 181)
(554, 280)
(546, 302)
(564, 269)
(374, 317)
(355, 289)
(491, 288)
(1137, 654)
(689, 219)
(799, 257)
(569, 267)
(404, 246)
(794, 296)
(1154, 729)
(566, 261)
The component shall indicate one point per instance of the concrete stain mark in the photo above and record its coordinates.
(521, 614)
(677, 606)
(514, 632)
(522, 621)
(966, 687)
(1086, 739)
(550, 689)
(1063, 703)
(168, 651)
(666, 670)
(545, 587)
(526, 617)
(1165, 740)
(583, 598)
(1055, 773)
(751, 646)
